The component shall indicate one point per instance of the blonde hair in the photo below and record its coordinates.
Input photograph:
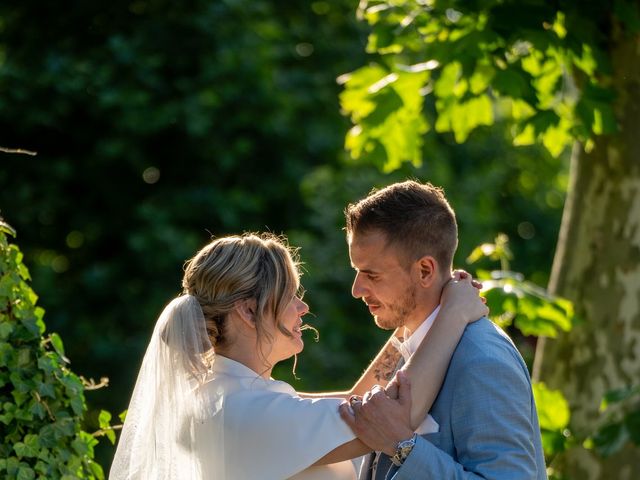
(251, 266)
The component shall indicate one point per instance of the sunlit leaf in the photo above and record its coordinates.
(449, 77)
(526, 137)
(56, 341)
(556, 139)
(481, 78)
(462, 117)
(356, 99)
(123, 415)
(553, 408)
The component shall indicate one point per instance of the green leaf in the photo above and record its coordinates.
(104, 419)
(38, 410)
(29, 448)
(557, 138)
(481, 251)
(30, 322)
(388, 110)
(481, 78)
(382, 40)
(553, 408)
(585, 62)
(19, 397)
(447, 83)
(61, 428)
(72, 384)
(595, 110)
(78, 405)
(5, 330)
(553, 443)
(25, 473)
(48, 363)
(48, 437)
(123, 415)
(632, 424)
(610, 439)
(356, 99)
(543, 120)
(6, 285)
(511, 83)
(7, 229)
(46, 389)
(462, 117)
(96, 470)
(542, 317)
(58, 346)
(526, 136)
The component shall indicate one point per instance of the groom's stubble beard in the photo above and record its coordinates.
(398, 312)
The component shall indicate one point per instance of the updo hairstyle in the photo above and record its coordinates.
(262, 267)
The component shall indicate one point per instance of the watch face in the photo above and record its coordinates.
(403, 450)
(406, 446)
(406, 449)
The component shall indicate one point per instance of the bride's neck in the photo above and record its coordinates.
(248, 356)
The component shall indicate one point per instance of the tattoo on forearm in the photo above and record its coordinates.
(385, 366)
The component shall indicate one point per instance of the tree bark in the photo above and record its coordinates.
(597, 266)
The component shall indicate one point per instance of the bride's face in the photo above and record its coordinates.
(285, 346)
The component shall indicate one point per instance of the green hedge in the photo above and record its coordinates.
(42, 401)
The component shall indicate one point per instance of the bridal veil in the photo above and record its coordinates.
(159, 439)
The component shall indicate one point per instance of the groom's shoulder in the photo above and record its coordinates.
(484, 338)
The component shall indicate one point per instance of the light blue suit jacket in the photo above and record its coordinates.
(487, 417)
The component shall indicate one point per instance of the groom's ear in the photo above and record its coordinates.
(427, 268)
(246, 310)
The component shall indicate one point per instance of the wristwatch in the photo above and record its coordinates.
(403, 450)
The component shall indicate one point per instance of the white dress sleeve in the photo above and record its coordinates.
(274, 435)
(270, 433)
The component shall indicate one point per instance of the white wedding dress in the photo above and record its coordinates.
(268, 431)
(195, 415)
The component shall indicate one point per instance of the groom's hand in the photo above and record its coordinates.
(378, 420)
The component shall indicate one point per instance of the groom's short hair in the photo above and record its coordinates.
(413, 216)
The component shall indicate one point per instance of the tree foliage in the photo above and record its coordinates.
(42, 401)
(542, 65)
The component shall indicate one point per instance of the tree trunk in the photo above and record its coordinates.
(597, 266)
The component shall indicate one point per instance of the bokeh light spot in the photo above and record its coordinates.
(151, 175)
(526, 230)
(304, 49)
(75, 239)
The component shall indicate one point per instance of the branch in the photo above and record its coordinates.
(18, 150)
(92, 385)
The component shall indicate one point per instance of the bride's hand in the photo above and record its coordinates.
(461, 294)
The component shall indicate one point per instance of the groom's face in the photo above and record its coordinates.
(383, 281)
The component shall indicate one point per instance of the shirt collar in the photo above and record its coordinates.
(413, 340)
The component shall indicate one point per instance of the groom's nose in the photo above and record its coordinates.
(358, 289)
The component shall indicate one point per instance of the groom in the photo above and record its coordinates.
(483, 423)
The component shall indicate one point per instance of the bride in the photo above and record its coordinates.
(205, 405)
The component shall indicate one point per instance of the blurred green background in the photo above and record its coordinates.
(159, 124)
